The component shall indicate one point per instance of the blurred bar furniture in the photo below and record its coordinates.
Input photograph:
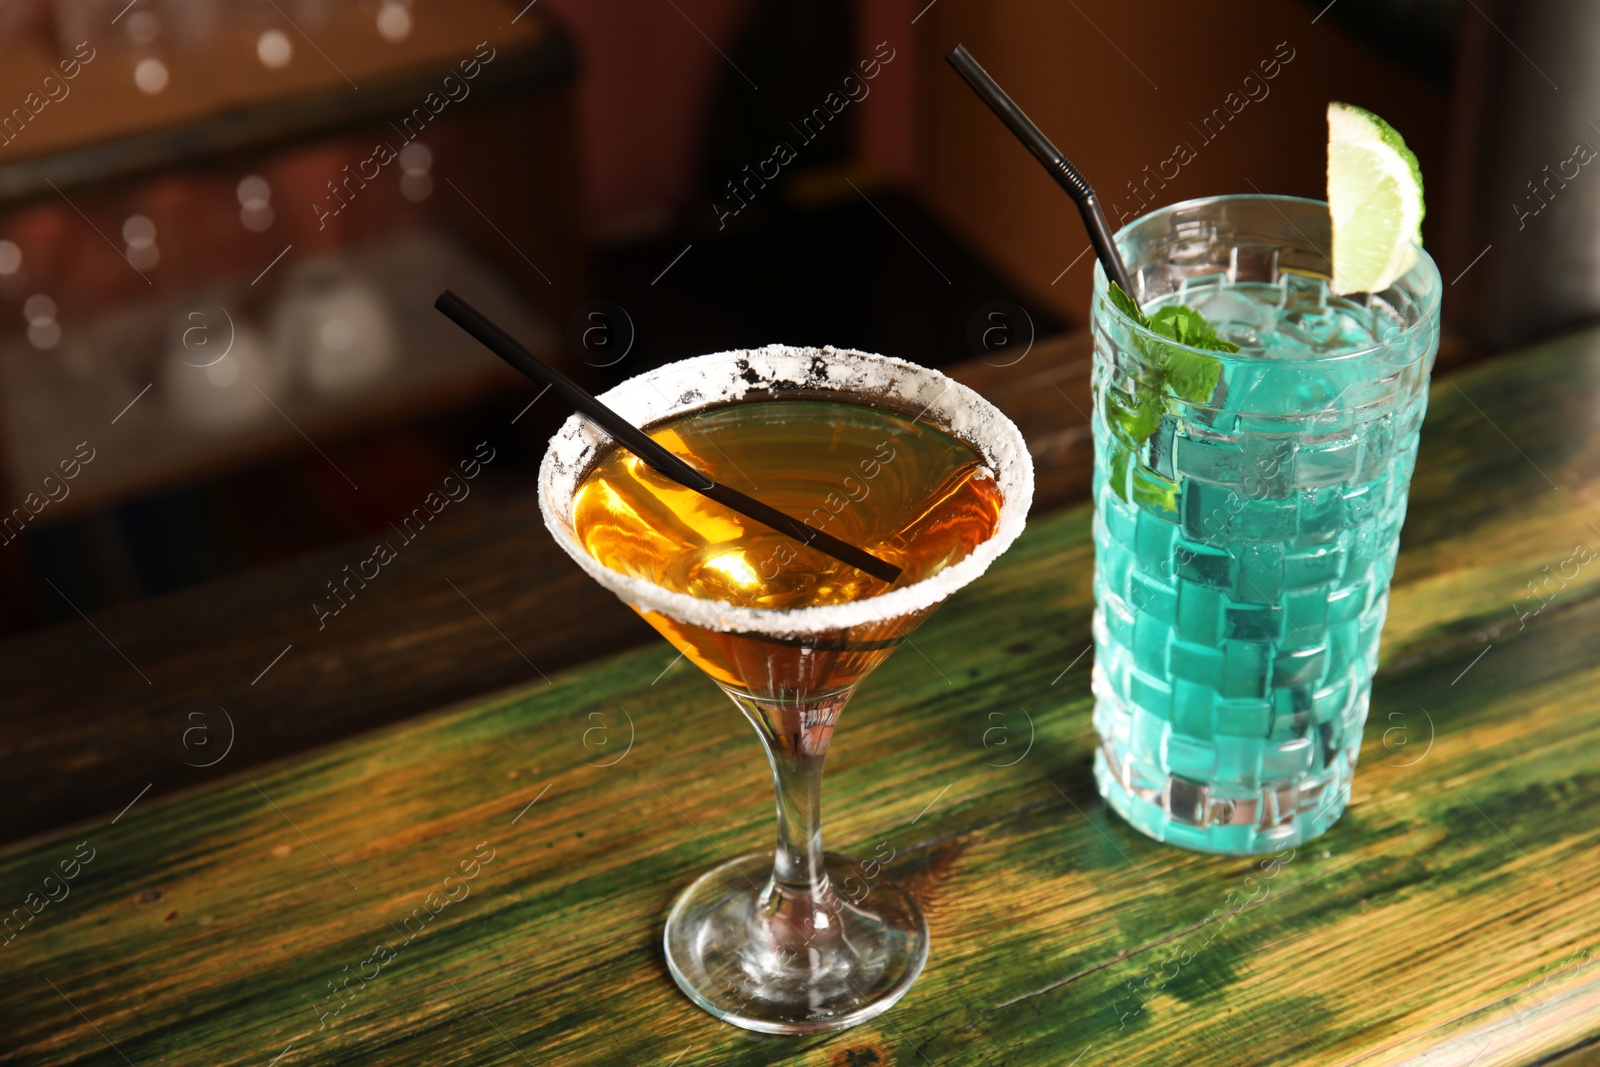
(1523, 260)
(207, 180)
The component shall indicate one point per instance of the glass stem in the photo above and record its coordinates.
(795, 737)
(797, 779)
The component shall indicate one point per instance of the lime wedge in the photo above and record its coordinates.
(1375, 196)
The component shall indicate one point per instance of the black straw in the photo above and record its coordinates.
(1060, 168)
(642, 445)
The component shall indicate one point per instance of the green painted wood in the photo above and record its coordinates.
(1452, 912)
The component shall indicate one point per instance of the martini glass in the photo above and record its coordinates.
(900, 461)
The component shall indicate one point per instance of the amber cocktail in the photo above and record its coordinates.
(896, 459)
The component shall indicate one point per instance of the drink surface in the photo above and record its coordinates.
(1239, 603)
(1295, 318)
(901, 489)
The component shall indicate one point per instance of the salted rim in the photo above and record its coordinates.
(691, 384)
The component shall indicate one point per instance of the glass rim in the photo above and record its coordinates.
(1421, 270)
(707, 381)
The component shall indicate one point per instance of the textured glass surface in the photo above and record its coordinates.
(1243, 549)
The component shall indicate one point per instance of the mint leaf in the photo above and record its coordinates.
(1173, 370)
(1117, 475)
(1138, 420)
(1125, 304)
(1154, 492)
(1177, 322)
(1189, 374)
(1187, 326)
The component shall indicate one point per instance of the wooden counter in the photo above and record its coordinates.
(1450, 917)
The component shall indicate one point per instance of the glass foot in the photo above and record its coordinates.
(790, 960)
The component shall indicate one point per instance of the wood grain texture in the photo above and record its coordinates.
(1449, 917)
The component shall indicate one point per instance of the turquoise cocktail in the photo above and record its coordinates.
(1248, 511)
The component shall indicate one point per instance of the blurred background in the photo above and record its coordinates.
(222, 222)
